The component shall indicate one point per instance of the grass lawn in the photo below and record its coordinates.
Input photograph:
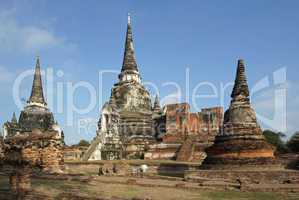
(96, 189)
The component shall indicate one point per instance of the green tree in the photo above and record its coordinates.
(293, 143)
(83, 143)
(275, 139)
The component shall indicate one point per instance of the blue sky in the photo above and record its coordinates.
(206, 37)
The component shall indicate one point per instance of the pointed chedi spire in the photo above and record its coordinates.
(157, 107)
(241, 86)
(129, 62)
(37, 95)
(241, 141)
(14, 118)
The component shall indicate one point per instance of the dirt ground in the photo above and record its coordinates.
(137, 188)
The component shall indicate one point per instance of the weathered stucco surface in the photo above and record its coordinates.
(242, 140)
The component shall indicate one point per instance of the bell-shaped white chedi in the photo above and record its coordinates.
(58, 129)
(107, 144)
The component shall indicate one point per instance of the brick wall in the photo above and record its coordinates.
(42, 150)
(180, 123)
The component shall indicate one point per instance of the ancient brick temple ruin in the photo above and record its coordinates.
(242, 140)
(131, 127)
(37, 136)
(184, 135)
(25, 154)
(1, 148)
(126, 119)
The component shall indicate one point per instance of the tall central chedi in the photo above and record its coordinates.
(242, 140)
(131, 98)
(125, 125)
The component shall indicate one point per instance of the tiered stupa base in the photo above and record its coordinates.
(242, 142)
(241, 145)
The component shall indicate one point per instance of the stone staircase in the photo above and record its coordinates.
(267, 180)
(293, 196)
(91, 149)
(186, 150)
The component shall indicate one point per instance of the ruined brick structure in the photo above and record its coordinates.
(1, 149)
(131, 127)
(181, 123)
(25, 154)
(184, 136)
(241, 141)
(73, 152)
(42, 149)
(36, 134)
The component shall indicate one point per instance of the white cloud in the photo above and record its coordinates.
(35, 39)
(27, 38)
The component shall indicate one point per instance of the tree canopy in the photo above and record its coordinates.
(293, 143)
(275, 138)
(83, 143)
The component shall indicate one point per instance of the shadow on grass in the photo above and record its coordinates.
(173, 170)
(4, 182)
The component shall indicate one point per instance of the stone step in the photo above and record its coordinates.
(291, 188)
(293, 196)
(199, 179)
(186, 150)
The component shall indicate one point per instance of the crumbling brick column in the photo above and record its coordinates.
(52, 156)
(24, 179)
(20, 179)
(26, 153)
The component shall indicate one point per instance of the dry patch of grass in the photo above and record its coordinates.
(4, 182)
(231, 195)
(54, 188)
(135, 162)
(135, 191)
(96, 189)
